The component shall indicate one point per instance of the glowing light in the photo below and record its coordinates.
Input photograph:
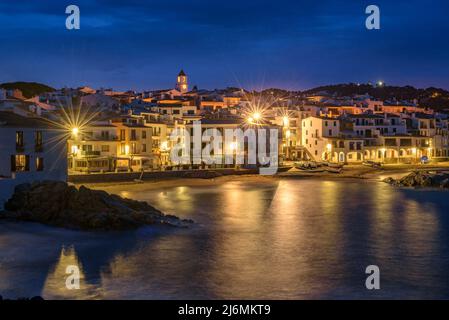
(74, 149)
(288, 134)
(380, 83)
(250, 120)
(285, 121)
(75, 131)
(329, 147)
(164, 146)
(127, 149)
(233, 146)
(414, 150)
(257, 116)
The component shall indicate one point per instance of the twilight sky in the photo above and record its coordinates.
(291, 44)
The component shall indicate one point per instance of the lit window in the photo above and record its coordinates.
(20, 163)
(39, 164)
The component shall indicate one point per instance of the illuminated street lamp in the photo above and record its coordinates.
(75, 131)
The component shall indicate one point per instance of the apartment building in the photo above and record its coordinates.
(375, 137)
(317, 133)
(123, 144)
(93, 148)
(30, 150)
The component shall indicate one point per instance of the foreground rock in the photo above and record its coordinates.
(61, 205)
(422, 179)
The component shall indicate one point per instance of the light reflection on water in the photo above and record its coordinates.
(278, 239)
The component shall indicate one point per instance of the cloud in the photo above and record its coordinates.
(296, 44)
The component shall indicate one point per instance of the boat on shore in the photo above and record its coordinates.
(312, 166)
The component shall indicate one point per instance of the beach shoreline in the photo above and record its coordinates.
(349, 172)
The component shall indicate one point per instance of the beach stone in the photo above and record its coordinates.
(422, 179)
(445, 183)
(59, 204)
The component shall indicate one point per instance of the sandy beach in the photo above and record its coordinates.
(348, 172)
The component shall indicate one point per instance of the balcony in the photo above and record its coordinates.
(90, 153)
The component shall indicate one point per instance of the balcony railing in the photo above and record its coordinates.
(90, 153)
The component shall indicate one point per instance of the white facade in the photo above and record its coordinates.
(315, 132)
(29, 151)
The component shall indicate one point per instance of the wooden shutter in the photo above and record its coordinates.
(13, 163)
(27, 163)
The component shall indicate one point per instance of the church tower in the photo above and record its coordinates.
(181, 82)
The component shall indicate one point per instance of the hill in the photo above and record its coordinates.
(29, 89)
(435, 98)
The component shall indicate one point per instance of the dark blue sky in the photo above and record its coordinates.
(290, 44)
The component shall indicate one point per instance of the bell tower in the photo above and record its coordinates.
(182, 83)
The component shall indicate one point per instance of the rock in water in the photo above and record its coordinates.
(422, 179)
(58, 204)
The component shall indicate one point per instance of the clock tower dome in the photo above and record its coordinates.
(182, 83)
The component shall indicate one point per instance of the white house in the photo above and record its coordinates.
(30, 150)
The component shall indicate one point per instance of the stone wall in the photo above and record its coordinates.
(148, 176)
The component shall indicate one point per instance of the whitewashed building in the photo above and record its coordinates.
(30, 150)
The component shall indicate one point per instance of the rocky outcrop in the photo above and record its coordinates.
(422, 179)
(58, 204)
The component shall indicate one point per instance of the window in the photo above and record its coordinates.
(122, 148)
(39, 164)
(38, 141)
(133, 134)
(87, 147)
(144, 134)
(326, 123)
(351, 145)
(133, 148)
(105, 148)
(105, 134)
(330, 132)
(144, 148)
(122, 134)
(20, 163)
(19, 140)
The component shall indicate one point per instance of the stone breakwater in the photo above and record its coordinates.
(61, 205)
(422, 179)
